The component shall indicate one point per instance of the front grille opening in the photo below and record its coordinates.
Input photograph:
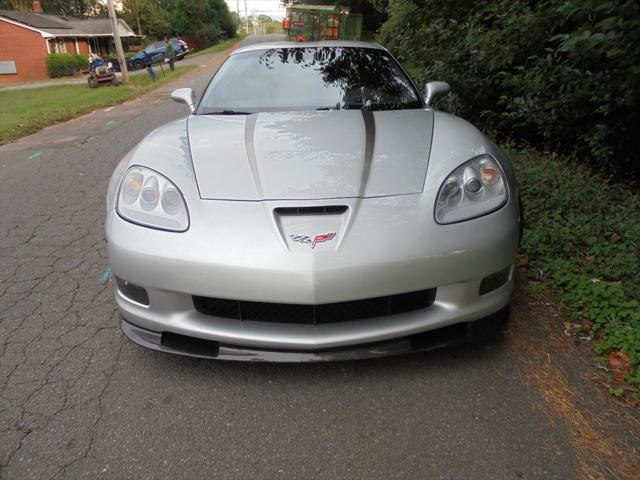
(315, 314)
(193, 345)
(320, 210)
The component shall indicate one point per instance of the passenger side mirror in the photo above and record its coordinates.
(435, 89)
(186, 96)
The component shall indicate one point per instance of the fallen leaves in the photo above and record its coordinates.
(619, 360)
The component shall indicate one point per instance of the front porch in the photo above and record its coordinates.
(103, 46)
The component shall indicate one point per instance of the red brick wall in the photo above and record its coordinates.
(83, 46)
(70, 45)
(27, 48)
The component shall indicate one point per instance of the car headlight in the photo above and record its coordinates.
(150, 199)
(475, 188)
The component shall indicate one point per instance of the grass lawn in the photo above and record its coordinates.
(219, 47)
(23, 112)
(581, 250)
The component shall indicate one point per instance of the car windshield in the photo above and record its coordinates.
(154, 46)
(309, 78)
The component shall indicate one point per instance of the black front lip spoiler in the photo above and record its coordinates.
(451, 335)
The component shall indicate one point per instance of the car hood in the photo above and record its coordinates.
(310, 155)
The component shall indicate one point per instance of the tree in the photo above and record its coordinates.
(560, 74)
(20, 5)
(206, 20)
(74, 8)
(150, 17)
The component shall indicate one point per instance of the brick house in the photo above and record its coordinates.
(26, 38)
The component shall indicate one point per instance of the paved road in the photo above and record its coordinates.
(79, 401)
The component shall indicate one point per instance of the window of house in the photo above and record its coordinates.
(7, 67)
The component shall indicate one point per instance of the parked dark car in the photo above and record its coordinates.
(154, 53)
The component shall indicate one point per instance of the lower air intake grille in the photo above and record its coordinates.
(315, 314)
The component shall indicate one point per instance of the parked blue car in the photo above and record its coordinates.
(154, 53)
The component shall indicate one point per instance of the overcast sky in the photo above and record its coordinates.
(273, 8)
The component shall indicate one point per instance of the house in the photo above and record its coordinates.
(26, 38)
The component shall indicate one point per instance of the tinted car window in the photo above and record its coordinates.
(154, 46)
(310, 78)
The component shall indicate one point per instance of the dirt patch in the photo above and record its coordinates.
(605, 432)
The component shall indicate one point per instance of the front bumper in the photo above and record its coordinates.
(248, 258)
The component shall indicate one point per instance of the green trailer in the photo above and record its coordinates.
(307, 23)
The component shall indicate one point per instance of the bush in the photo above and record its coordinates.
(582, 238)
(561, 74)
(82, 62)
(63, 64)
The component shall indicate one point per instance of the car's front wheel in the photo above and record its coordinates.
(137, 64)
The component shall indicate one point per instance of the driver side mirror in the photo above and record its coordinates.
(434, 90)
(186, 96)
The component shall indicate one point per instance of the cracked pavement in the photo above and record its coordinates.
(77, 400)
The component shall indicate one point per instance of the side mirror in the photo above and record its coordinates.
(435, 89)
(186, 96)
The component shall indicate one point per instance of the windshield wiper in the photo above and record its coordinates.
(227, 112)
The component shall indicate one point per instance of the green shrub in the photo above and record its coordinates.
(561, 74)
(82, 62)
(582, 236)
(63, 64)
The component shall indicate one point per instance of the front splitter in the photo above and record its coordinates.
(456, 334)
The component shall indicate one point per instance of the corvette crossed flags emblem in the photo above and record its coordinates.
(324, 237)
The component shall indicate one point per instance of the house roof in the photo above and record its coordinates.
(33, 19)
(63, 26)
(102, 26)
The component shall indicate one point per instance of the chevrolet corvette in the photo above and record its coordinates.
(312, 206)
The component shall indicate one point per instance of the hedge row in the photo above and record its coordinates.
(63, 64)
(560, 74)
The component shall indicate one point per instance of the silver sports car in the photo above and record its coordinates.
(313, 206)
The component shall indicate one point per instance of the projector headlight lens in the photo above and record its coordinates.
(475, 188)
(150, 199)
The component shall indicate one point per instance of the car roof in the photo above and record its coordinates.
(323, 43)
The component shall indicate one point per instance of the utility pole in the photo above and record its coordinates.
(238, 10)
(116, 38)
(246, 18)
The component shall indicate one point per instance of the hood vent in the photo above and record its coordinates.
(328, 210)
